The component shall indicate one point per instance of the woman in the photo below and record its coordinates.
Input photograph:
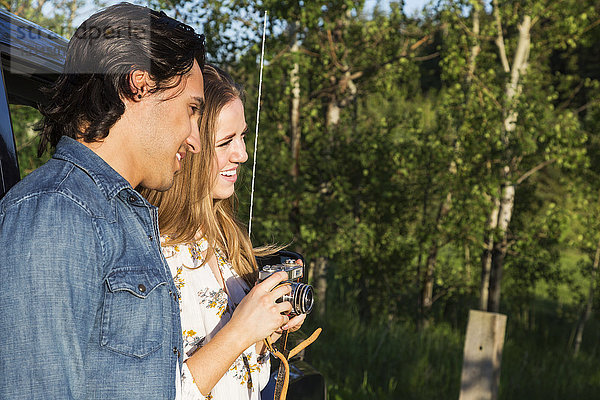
(224, 316)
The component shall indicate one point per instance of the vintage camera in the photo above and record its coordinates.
(301, 295)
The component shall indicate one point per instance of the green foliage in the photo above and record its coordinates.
(414, 134)
(392, 360)
(386, 360)
(371, 186)
(408, 174)
(56, 15)
(24, 120)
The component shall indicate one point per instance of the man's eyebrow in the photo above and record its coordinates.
(199, 100)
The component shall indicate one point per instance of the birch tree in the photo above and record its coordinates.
(509, 127)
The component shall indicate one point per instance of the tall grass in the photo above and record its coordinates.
(386, 360)
(393, 360)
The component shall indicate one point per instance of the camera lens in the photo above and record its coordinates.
(307, 300)
(301, 298)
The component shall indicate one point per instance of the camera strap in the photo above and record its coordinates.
(283, 374)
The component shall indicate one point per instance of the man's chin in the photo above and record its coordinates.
(161, 186)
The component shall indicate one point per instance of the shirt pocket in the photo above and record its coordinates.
(135, 311)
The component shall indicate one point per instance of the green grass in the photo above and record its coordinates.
(392, 360)
(386, 361)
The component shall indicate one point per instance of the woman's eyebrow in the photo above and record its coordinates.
(226, 137)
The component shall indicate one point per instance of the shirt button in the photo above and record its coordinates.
(142, 288)
(150, 238)
(132, 199)
(176, 351)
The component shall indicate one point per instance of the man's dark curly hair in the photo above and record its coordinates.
(86, 100)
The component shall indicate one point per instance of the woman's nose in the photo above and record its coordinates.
(239, 153)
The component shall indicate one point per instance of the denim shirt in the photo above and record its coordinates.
(88, 308)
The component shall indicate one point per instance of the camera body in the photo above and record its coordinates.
(301, 296)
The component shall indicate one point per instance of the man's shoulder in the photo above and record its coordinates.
(61, 182)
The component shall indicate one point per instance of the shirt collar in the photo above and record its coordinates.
(107, 179)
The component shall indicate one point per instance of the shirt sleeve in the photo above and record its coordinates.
(189, 390)
(50, 294)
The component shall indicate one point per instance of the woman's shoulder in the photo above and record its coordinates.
(170, 250)
(194, 249)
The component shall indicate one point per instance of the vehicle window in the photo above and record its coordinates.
(31, 58)
(24, 120)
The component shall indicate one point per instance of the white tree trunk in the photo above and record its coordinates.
(295, 132)
(500, 246)
(507, 198)
(476, 47)
(486, 259)
(319, 273)
(518, 70)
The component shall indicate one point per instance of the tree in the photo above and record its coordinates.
(56, 15)
(511, 140)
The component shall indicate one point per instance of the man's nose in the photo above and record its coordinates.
(193, 141)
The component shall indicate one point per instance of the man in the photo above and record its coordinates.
(88, 308)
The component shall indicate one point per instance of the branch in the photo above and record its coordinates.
(280, 54)
(586, 106)
(500, 38)
(332, 52)
(521, 54)
(73, 12)
(428, 57)
(544, 11)
(308, 52)
(488, 92)
(534, 170)
(476, 47)
(575, 37)
(39, 7)
(372, 69)
(591, 26)
(571, 97)
(247, 23)
(419, 42)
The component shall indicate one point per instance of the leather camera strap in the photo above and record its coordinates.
(283, 374)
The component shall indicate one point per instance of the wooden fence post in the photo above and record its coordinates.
(482, 356)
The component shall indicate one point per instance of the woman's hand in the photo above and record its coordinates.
(293, 325)
(259, 315)
(255, 318)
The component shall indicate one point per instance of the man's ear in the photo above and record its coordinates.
(139, 83)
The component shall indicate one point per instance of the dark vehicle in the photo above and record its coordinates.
(31, 58)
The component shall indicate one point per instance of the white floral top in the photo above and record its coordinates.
(205, 308)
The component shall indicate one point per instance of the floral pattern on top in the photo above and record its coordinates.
(216, 299)
(205, 308)
(178, 279)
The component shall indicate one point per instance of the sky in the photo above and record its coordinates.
(410, 7)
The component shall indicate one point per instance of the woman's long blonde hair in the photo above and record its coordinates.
(188, 207)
